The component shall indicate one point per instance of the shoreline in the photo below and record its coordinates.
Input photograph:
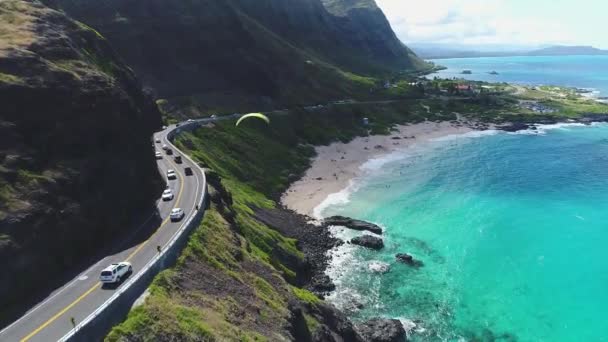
(337, 165)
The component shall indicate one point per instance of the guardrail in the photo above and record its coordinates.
(117, 307)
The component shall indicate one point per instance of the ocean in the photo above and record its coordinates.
(512, 229)
(587, 72)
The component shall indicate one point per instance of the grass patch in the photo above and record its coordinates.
(180, 322)
(213, 243)
(267, 293)
(312, 323)
(305, 295)
(8, 78)
(30, 178)
(6, 192)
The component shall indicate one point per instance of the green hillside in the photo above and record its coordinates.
(254, 53)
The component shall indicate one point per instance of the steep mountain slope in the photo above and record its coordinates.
(265, 51)
(76, 167)
(368, 31)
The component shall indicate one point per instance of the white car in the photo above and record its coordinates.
(177, 214)
(214, 116)
(157, 141)
(158, 155)
(171, 174)
(165, 147)
(167, 195)
(115, 272)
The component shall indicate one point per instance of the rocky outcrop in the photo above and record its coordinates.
(353, 224)
(514, 127)
(368, 241)
(76, 165)
(382, 330)
(409, 260)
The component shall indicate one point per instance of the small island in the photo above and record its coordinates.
(466, 72)
(493, 73)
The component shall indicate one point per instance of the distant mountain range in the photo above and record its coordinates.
(446, 51)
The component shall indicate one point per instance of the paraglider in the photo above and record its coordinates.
(253, 115)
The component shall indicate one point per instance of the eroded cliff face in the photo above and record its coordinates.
(76, 165)
(285, 51)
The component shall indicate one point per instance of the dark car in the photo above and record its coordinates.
(188, 171)
(178, 159)
(169, 152)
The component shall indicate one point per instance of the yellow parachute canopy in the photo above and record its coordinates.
(253, 115)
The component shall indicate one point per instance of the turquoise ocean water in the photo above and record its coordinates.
(572, 71)
(512, 230)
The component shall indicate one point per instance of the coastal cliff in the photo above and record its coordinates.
(76, 167)
(253, 270)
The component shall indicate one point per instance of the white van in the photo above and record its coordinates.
(115, 272)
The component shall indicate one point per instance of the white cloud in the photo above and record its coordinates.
(469, 22)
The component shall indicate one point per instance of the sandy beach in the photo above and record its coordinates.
(337, 164)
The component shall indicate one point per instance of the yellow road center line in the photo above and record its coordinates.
(89, 291)
(57, 315)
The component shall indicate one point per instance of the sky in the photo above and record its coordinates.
(499, 22)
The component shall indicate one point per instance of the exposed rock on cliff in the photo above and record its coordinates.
(76, 166)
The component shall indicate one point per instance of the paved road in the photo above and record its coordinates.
(52, 318)
(56, 315)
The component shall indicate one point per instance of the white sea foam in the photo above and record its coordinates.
(372, 165)
(378, 266)
(543, 129)
(377, 163)
(564, 125)
(337, 198)
(472, 134)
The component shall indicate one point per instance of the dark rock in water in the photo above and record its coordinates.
(382, 330)
(322, 284)
(368, 241)
(353, 224)
(409, 260)
(514, 127)
(337, 322)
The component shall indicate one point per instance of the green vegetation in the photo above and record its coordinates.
(90, 29)
(305, 295)
(244, 59)
(231, 247)
(6, 191)
(311, 323)
(29, 178)
(8, 78)
(502, 102)
(180, 322)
